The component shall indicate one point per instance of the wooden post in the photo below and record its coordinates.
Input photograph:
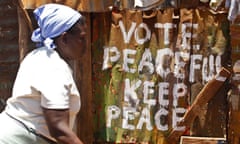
(84, 81)
(209, 91)
(23, 34)
(25, 27)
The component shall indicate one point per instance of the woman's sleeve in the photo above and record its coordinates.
(55, 88)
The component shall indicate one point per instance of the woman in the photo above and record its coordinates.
(45, 99)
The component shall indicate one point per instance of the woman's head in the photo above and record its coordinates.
(72, 43)
(60, 27)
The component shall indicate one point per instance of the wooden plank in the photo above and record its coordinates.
(197, 140)
(83, 75)
(100, 31)
(23, 34)
(209, 91)
(8, 49)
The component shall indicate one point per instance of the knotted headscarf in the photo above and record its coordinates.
(53, 20)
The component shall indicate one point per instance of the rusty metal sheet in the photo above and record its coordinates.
(81, 5)
(147, 68)
(96, 5)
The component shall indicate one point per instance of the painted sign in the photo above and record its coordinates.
(152, 61)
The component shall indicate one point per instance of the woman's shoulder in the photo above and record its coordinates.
(43, 58)
(40, 53)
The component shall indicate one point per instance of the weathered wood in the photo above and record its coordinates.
(23, 34)
(83, 75)
(208, 91)
(8, 49)
(100, 31)
(198, 140)
(234, 95)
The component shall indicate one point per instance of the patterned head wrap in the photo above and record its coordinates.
(53, 20)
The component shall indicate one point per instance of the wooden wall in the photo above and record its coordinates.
(15, 43)
(9, 53)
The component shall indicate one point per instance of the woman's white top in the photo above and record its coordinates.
(44, 80)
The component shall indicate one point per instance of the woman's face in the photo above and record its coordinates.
(74, 42)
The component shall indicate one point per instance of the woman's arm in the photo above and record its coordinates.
(58, 125)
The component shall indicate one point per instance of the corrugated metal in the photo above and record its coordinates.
(104, 5)
(9, 54)
(82, 5)
(95, 5)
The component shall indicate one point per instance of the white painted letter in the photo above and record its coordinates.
(128, 114)
(205, 70)
(211, 67)
(179, 90)
(145, 118)
(127, 36)
(179, 64)
(162, 54)
(107, 57)
(177, 119)
(187, 35)
(161, 112)
(113, 112)
(162, 93)
(146, 61)
(218, 63)
(148, 90)
(194, 66)
(127, 60)
(130, 94)
(146, 38)
(166, 28)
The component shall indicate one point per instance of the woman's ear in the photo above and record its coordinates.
(62, 39)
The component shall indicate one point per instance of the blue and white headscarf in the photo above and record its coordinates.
(53, 20)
